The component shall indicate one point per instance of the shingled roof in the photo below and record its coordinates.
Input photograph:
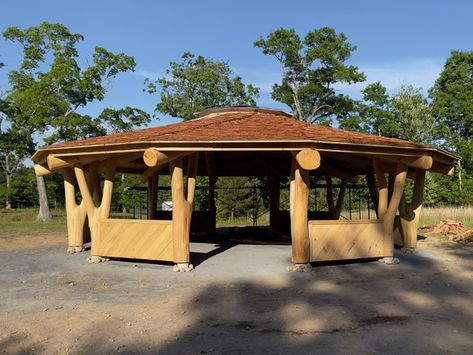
(238, 125)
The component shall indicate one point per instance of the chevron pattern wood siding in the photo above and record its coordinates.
(135, 239)
(343, 240)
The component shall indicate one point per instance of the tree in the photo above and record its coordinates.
(413, 114)
(452, 105)
(405, 114)
(311, 68)
(50, 86)
(372, 115)
(199, 83)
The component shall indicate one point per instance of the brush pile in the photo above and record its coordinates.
(454, 230)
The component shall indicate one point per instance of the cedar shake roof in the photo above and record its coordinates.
(238, 124)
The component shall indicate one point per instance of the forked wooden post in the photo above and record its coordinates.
(410, 212)
(299, 201)
(387, 209)
(96, 210)
(76, 215)
(182, 209)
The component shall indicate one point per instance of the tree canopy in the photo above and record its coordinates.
(199, 83)
(452, 104)
(311, 68)
(49, 87)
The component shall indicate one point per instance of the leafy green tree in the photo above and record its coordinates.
(452, 105)
(372, 115)
(312, 67)
(199, 83)
(413, 114)
(405, 114)
(50, 86)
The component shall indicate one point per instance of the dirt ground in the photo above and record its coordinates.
(240, 300)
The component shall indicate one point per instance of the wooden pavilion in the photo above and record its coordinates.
(243, 141)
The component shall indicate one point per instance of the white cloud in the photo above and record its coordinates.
(420, 73)
(143, 73)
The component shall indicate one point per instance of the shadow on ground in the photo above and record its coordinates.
(423, 305)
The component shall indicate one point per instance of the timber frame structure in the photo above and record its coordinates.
(243, 141)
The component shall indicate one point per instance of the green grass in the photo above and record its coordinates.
(430, 216)
(23, 221)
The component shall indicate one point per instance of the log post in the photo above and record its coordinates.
(153, 196)
(75, 214)
(387, 210)
(274, 201)
(96, 210)
(299, 201)
(182, 210)
(410, 213)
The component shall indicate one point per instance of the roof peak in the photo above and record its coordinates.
(240, 109)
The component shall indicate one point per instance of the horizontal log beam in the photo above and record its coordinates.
(308, 159)
(41, 170)
(153, 157)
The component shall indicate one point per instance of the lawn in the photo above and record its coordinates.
(16, 222)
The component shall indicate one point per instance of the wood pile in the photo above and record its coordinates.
(454, 230)
(447, 227)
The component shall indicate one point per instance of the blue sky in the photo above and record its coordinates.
(399, 42)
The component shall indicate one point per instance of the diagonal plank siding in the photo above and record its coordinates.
(136, 239)
(341, 240)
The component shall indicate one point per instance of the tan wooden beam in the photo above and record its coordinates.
(182, 210)
(41, 170)
(382, 189)
(308, 159)
(389, 216)
(299, 217)
(76, 215)
(153, 157)
(410, 212)
(96, 210)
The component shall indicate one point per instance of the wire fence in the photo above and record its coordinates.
(249, 205)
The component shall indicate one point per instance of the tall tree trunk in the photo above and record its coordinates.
(44, 214)
(7, 196)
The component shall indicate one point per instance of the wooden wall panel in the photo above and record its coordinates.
(135, 239)
(342, 240)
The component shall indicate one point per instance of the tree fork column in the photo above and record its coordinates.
(387, 210)
(76, 215)
(410, 213)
